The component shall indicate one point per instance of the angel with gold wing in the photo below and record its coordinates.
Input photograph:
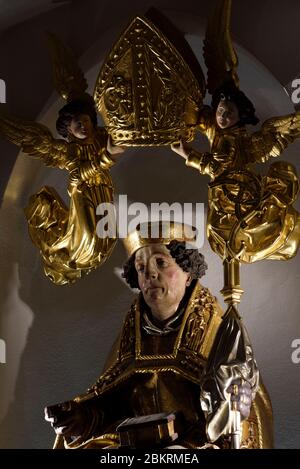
(249, 217)
(66, 237)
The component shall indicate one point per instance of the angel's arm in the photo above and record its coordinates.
(109, 153)
(34, 139)
(205, 163)
(275, 135)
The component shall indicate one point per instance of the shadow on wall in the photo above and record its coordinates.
(16, 320)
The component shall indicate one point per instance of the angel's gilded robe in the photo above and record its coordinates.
(253, 215)
(67, 237)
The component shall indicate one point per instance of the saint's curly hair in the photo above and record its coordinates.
(72, 110)
(190, 260)
(230, 92)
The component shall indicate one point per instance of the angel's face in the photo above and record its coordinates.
(81, 126)
(227, 114)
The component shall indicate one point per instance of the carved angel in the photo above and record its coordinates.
(66, 237)
(249, 216)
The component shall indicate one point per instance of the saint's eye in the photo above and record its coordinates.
(161, 262)
(140, 268)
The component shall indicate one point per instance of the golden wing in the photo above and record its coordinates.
(69, 80)
(219, 54)
(35, 140)
(275, 135)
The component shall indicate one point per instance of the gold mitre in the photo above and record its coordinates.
(145, 91)
(160, 232)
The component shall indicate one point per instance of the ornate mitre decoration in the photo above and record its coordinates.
(145, 92)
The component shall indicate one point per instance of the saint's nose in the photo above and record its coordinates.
(151, 272)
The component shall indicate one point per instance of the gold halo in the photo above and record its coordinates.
(161, 232)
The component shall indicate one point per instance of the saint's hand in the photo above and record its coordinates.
(67, 418)
(241, 393)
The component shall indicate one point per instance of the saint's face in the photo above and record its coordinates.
(160, 279)
(227, 114)
(81, 127)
